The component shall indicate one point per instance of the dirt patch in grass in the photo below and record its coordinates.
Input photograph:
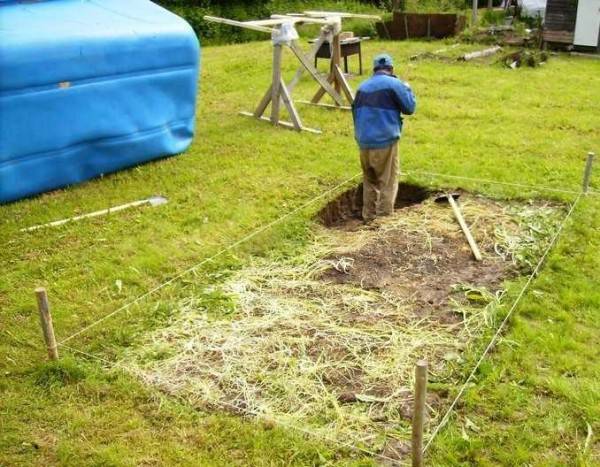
(423, 266)
(327, 341)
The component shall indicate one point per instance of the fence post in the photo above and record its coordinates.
(419, 413)
(46, 322)
(588, 171)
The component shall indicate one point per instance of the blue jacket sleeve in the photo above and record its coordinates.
(406, 98)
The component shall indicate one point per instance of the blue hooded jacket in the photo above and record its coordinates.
(377, 110)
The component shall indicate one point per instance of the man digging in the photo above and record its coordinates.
(377, 110)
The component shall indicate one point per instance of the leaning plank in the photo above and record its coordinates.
(310, 57)
(315, 74)
(289, 104)
(341, 79)
(321, 91)
(262, 106)
(481, 53)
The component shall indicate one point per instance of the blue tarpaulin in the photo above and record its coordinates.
(89, 87)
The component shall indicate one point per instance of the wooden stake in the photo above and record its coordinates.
(46, 322)
(588, 172)
(419, 413)
(474, 13)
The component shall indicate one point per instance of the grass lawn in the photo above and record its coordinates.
(536, 399)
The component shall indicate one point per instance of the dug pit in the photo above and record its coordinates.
(346, 209)
(327, 341)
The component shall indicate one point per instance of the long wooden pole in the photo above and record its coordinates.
(474, 13)
(154, 201)
(46, 322)
(465, 228)
(239, 24)
(588, 172)
(418, 421)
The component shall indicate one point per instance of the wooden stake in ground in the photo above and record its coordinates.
(588, 172)
(46, 322)
(419, 413)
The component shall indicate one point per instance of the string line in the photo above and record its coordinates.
(495, 337)
(207, 260)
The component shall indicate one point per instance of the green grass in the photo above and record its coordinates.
(533, 397)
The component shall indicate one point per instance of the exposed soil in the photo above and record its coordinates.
(346, 321)
(418, 266)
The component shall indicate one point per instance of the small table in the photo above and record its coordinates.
(350, 46)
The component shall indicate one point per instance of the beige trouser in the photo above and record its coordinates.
(380, 185)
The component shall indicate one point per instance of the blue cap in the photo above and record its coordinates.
(383, 61)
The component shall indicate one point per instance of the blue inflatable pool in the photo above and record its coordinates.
(89, 87)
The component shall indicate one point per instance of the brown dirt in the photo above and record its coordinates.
(420, 267)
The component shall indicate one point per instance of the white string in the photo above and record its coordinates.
(502, 324)
(213, 257)
(269, 225)
(496, 182)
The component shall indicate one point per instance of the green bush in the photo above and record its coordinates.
(212, 33)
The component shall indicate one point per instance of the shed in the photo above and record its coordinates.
(89, 87)
(573, 22)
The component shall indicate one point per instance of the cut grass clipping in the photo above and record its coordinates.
(327, 341)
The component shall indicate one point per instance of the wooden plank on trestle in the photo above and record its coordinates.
(284, 124)
(339, 74)
(340, 14)
(315, 74)
(275, 85)
(287, 100)
(239, 24)
(262, 106)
